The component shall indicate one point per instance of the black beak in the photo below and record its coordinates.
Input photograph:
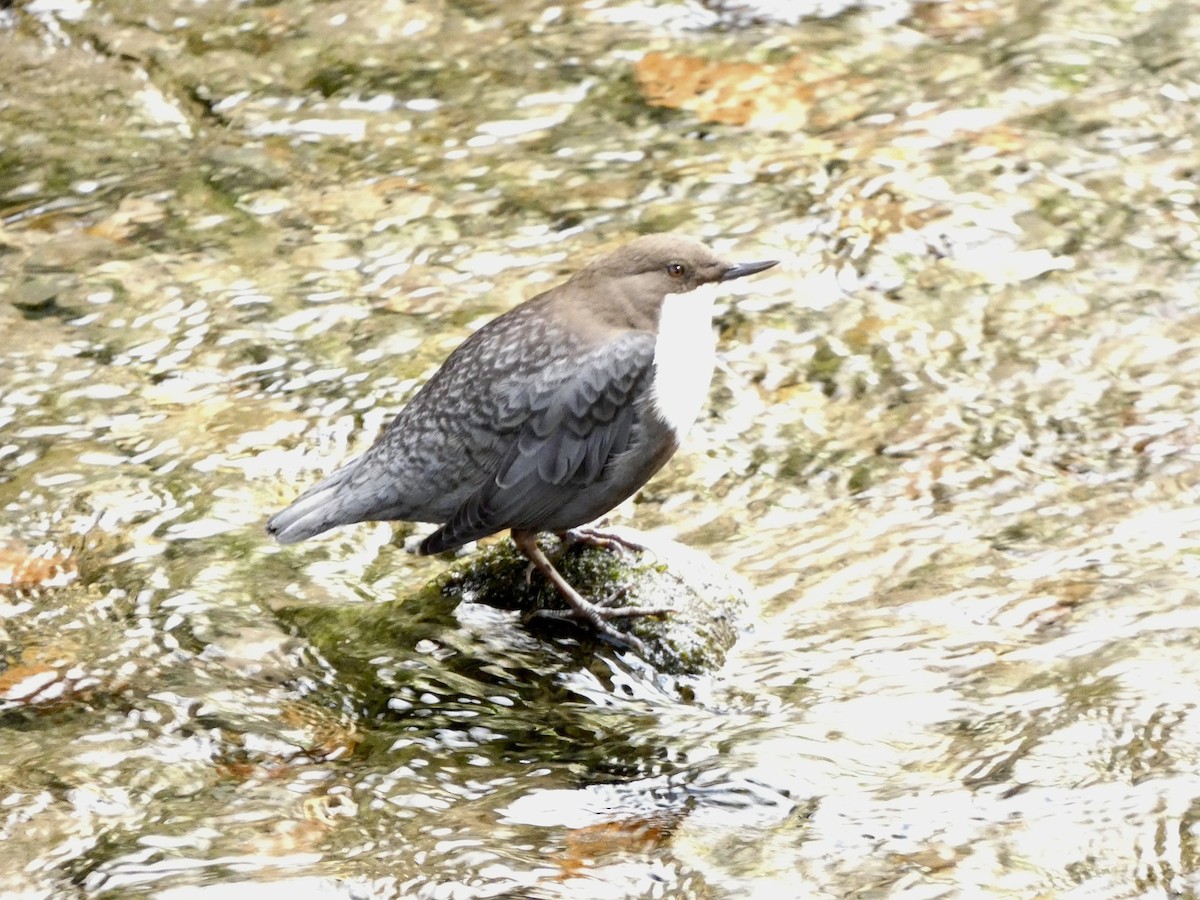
(737, 270)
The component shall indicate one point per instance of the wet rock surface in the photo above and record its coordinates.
(705, 608)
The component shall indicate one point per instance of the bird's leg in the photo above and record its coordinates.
(594, 537)
(581, 609)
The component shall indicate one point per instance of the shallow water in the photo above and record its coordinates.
(953, 446)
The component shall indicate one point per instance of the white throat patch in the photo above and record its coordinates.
(684, 355)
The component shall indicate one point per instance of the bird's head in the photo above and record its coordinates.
(650, 268)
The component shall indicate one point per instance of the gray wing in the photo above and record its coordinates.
(570, 422)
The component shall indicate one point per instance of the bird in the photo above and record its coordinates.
(546, 418)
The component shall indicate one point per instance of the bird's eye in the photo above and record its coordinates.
(676, 270)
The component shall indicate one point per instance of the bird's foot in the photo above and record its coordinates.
(596, 619)
(580, 610)
(594, 537)
(597, 614)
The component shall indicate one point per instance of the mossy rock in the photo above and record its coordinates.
(708, 605)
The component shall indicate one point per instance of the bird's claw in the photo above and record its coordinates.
(597, 617)
(598, 625)
(607, 540)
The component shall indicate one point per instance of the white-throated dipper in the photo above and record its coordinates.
(547, 417)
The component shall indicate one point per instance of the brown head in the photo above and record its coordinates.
(632, 281)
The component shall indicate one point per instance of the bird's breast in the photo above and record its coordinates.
(684, 354)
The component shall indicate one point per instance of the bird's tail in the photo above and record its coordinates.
(325, 505)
